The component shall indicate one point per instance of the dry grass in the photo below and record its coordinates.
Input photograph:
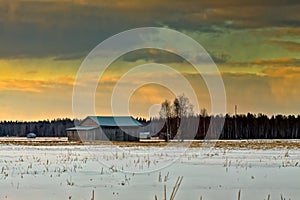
(258, 144)
(227, 144)
(39, 141)
(237, 144)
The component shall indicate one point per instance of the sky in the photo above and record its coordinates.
(255, 45)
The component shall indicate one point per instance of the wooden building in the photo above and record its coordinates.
(121, 128)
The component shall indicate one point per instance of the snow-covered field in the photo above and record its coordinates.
(38, 139)
(135, 173)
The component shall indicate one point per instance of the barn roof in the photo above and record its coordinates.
(81, 128)
(121, 121)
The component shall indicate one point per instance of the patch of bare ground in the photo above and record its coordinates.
(227, 144)
(255, 144)
(39, 143)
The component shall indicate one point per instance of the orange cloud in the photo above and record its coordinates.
(152, 93)
(286, 89)
(279, 62)
(275, 91)
(36, 86)
(290, 72)
(145, 97)
(109, 79)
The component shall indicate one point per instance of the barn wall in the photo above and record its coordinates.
(81, 135)
(133, 133)
(100, 135)
(111, 133)
(73, 136)
(124, 134)
(130, 133)
(106, 133)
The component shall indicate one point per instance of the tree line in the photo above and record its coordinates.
(242, 126)
(178, 121)
(43, 128)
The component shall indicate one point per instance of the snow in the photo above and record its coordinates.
(73, 172)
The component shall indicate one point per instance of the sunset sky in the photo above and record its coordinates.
(255, 44)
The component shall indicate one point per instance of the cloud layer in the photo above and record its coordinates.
(256, 45)
(52, 28)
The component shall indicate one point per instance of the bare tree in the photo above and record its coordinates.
(176, 113)
(203, 113)
(186, 108)
(182, 108)
(166, 113)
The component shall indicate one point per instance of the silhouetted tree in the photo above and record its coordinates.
(166, 114)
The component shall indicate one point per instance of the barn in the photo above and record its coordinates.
(110, 128)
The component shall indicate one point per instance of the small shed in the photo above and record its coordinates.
(110, 128)
(31, 135)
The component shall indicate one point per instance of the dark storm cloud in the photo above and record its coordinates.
(64, 28)
(159, 56)
(152, 55)
(280, 62)
(219, 58)
(291, 46)
(71, 56)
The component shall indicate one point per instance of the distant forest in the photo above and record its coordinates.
(248, 126)
(45, 128)
(177, 120)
